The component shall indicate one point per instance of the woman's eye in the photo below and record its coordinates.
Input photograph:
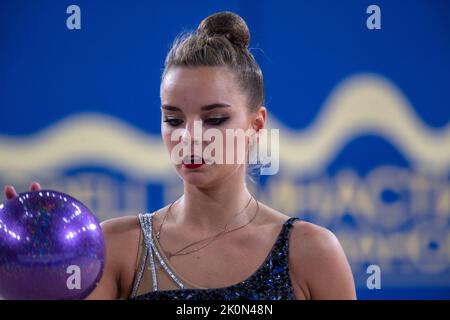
(173, 122)
(216, 121)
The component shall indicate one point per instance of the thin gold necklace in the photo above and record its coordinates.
(211, 238)
(170, 212)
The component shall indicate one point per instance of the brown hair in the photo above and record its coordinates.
(221, 39)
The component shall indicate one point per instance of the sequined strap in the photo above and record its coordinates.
(139, 274)
(288, 224)
(148, 240)
(147, 253)
(146, 223)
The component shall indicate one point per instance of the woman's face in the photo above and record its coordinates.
(210, 98)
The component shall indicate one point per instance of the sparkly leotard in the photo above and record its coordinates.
(271, 281)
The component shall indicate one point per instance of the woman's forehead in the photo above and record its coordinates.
(199, 86)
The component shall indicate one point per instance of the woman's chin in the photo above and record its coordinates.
(197, 178)
(203, 176)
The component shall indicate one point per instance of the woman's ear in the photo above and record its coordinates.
(259, 121)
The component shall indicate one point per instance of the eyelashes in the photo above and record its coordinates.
(174, 122)
(216, 121)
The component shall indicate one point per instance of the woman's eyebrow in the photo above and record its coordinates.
(170, 108)
(214, 106)
(204, 108)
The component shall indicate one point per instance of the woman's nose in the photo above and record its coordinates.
(192, 133)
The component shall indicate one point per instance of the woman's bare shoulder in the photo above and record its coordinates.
(121, 236)
(319, 264)
(313, 236)
(120, 225)
(306, 237)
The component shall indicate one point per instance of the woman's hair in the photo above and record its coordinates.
(221, 39)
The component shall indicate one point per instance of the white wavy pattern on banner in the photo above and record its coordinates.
(362, 104)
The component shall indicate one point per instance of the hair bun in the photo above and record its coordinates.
(228, 24)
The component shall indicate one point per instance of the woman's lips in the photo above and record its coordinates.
(193, 165)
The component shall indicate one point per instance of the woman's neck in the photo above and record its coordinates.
(210, 209)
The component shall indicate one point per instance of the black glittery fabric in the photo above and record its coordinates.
(270, 282)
